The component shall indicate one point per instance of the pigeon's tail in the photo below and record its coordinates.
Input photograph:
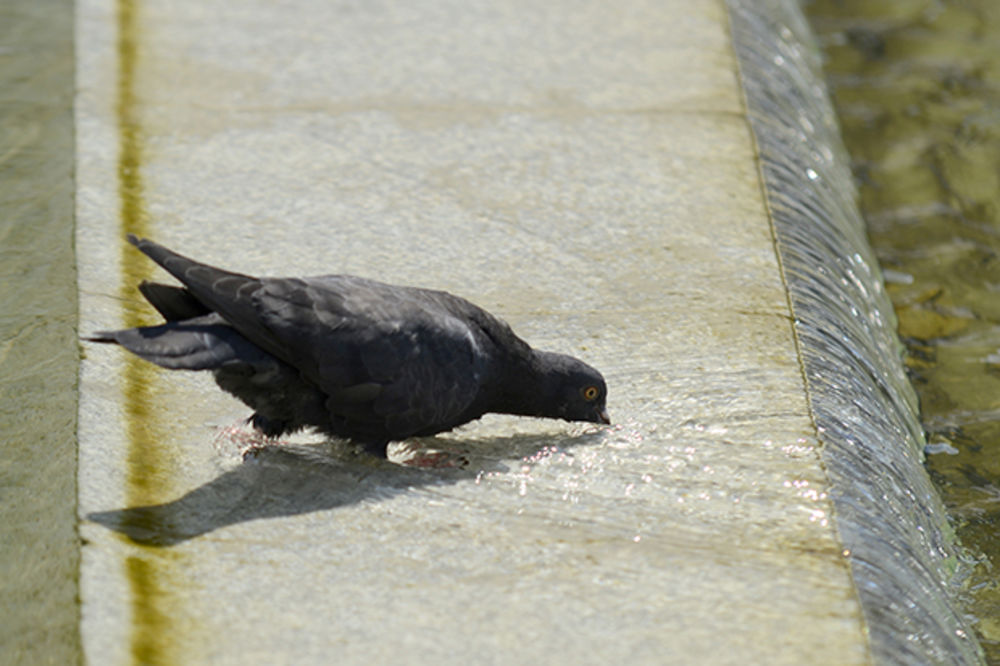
(205, 343)
(174, 303)
(107, 337)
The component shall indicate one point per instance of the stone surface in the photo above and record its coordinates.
(587, 174)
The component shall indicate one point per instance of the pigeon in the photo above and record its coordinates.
(352, 358)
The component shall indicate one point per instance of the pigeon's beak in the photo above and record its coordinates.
(603, 416)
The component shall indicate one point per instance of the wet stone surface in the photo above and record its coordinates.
(605, 210)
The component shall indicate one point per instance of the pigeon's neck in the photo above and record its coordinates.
(527, 387)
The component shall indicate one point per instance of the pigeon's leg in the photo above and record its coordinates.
(379, 449)
(265, 433)
(270, 428)
(247, 442)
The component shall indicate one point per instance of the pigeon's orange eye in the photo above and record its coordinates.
(589, 393)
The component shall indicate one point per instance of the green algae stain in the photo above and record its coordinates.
(148, 570)
(139, 376)
(149, 638)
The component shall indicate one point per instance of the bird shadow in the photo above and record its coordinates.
(291, 479)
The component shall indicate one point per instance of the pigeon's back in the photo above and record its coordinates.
(427, 350)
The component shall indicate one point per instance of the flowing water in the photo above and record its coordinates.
(890, 519)
(916, 84)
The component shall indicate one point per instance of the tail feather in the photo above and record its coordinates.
(106, 337)
(174, 303)
(205, 343)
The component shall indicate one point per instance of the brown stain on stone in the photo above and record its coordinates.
(148, 569)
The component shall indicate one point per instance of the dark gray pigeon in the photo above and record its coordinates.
(352, 358)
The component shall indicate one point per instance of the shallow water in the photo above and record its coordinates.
(917, 89)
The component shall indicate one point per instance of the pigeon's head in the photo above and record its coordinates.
(574, 391)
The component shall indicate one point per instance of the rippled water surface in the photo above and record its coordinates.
(917, 88)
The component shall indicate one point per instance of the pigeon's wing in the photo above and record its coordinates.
(432, 374)
(396, 359)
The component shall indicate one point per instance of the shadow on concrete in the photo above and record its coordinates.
(285, 480)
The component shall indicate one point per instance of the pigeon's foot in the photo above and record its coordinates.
(247, 441)
(251, 451)
(412, 454)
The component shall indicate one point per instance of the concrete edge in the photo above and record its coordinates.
(891, 521)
